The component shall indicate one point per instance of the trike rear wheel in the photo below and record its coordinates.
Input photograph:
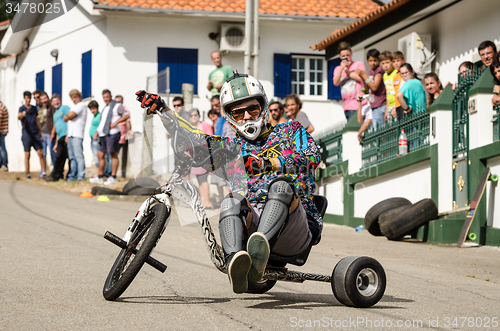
(128, 264)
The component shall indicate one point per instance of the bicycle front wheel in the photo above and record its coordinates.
(128, 264)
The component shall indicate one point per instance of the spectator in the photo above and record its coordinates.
(487, 49)
(365, 117)
(217, 77)
(45, 114)
(412, 94)
(433, 87)
(59, 131)
(125, 132)
(109, 134)
(293, 105)
(495, 72)
(36, 95)
(398, 59)
(202, 174)
(76, 119)
(94, 142)
(4, 129)
(465, 68)
(276, 110)
(375, 87)
(386, 59)
(179, 108)
(345, 76)
(31, 133)
(213, 115)
(219, 131)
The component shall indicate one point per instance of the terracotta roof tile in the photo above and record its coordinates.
(371, 16)
(315, 8)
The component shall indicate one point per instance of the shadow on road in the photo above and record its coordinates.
(272, 300)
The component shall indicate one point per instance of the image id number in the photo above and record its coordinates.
(40, 8)
(471, 322)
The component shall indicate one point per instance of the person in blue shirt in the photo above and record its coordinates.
(31, 133)
(60, 129)
(412, 94)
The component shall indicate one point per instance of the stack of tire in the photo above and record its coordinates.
(398, 217)
(138, 186)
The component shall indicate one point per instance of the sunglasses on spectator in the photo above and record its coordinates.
(194, 115)
(275, 109)
(179, 105)
(238, 114)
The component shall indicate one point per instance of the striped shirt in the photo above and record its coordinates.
(4, 119)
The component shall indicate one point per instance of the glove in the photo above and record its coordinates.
(256, 165)
(149, 101)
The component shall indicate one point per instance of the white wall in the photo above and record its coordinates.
(412, 183)
(492, 195)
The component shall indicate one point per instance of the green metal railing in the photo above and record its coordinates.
(496, 123)
(330, 142)
(461, 112)
(383, 144)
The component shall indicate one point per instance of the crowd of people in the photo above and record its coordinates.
(392, 88)
(57, 130)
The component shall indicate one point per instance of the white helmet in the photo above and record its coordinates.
(238, 88)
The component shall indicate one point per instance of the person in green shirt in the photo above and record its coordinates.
(217, 77)
(94, 143)
(412, 94)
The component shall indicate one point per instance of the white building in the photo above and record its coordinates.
(118, 45)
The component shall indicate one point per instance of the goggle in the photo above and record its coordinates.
(238, 114)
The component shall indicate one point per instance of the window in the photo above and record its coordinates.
(87, 74)
(40, 81)
(57, 79)
(183, 64)
(310, 77)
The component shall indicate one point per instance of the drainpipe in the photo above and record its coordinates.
(248, 36)
(256, 39)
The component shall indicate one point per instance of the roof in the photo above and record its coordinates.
(5, 23)
(312, 8)
(367, 19)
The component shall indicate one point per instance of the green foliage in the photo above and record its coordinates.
(4, 16)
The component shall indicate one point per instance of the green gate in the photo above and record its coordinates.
(461, 187)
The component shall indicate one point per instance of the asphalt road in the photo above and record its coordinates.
(54, 260)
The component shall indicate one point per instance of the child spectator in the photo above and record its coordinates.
(94, 143)
(495, 71)
(345, 76)
(4, 129)
(365, 117)
(398, 59)
(202, 174)
(59, 131)
(376, 88)
(212, 114)
(386, 63)
(433, 87)
(32, 135)
(412, 94)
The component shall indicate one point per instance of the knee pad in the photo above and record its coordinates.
(280, 195)
(232, 227)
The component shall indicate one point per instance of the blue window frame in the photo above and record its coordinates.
(87, 74)
(183, 64)
(303, 74)
(57, 79)
(40, 80)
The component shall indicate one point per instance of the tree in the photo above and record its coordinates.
(4, 16)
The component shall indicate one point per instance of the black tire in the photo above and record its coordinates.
(127, 264)
(99, 190)
(140, 182)
(388, 216)
(261, 286)
(141, 191)
(358, 281)
(372, 216)
(399, 225)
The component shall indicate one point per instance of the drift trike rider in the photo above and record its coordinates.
(277, 213)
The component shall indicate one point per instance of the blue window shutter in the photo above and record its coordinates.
(183, 63)
(333, 91)
(282, 75)
(40, 81)
(86, 74)
(57, 79)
